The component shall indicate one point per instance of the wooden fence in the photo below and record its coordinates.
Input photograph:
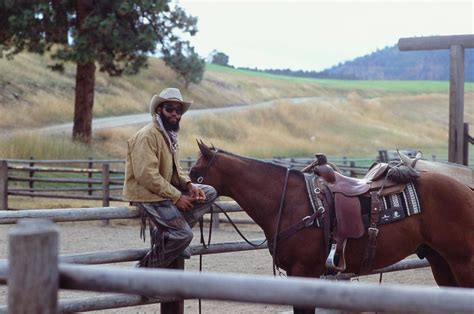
(33, 287)
(22, 177)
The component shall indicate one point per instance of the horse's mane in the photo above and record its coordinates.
(270, 164)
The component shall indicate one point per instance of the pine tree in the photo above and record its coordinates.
(115, 36)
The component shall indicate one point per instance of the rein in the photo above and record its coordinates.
(280, 210)
(200, 179)
(305, 222)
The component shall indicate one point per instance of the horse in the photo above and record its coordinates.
(444, 229)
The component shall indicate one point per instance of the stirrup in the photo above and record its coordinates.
(330, 261)
(335, 260)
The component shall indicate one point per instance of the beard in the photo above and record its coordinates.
(168, 125)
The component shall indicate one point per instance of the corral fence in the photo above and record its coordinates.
(102, 180)
(33, 287)
(99, 180)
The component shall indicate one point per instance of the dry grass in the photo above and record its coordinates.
(351, 126)
(31, 95)
(356, 119)
(23, 145)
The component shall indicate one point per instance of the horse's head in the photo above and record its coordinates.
(204, 169)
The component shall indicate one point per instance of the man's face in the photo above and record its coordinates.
(170, 113)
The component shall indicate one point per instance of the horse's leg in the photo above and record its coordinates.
(463, 270)
(439, 267)
(301, 271)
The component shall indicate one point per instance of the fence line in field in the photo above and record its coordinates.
(109, 183)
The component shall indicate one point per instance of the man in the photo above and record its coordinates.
(156, 184)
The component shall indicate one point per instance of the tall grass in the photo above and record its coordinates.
(23, 145)
(350, 126)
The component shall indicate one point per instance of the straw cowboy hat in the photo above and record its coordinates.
(168, 95)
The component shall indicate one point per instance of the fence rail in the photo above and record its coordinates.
(99, 184)
(33, 287)
(117, 300)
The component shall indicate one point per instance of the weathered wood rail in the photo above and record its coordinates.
(128, 255)
(105, 186)
(34, 288)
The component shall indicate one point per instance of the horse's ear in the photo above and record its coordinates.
(205, 150)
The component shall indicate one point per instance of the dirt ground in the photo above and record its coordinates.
(81, 237)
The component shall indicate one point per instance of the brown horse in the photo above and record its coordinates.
(444, 228)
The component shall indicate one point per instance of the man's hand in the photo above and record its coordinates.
(196, 193)
(185, 203)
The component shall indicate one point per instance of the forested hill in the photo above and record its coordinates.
(391, 64)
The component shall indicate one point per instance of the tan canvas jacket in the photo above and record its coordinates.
(149, 172)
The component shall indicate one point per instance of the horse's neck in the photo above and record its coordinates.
(255, 192)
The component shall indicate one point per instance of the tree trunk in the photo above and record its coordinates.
(84, 103)
(85, 82)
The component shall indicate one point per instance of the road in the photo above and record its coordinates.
(143, 118)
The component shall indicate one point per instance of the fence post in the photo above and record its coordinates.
(344, 163)
(105, 189)
(33, 277)
(465, 157)
(31, 174)
(3, 185)
(190, 163)
(89, 175)
(353, 172)
(215, 217)
(175, 307)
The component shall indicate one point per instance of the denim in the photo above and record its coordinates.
(170, 228)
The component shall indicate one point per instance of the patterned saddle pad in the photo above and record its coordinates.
(393, 207)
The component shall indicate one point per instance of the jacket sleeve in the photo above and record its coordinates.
(145, 163)
(183, 177)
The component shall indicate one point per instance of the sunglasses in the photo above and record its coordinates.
(170, 109)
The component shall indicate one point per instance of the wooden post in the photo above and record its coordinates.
(352, 171)
(465, 157)
(3, 185)
(105, 189)
(190, 163)
(215, 217)
(90, 176)
(33, 277)
(31, 174)
(456, 104)
(105, 185)
(456, 45)
(175, 307)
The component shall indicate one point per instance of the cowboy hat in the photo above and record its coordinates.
(168, 95)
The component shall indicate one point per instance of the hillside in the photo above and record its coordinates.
(392, 64)
(32, 95)
(351, 117)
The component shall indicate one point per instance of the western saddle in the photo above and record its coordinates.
(343, 219)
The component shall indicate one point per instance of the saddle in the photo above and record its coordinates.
(344, 220)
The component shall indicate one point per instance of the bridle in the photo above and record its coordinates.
(200, 179)
(273, 243)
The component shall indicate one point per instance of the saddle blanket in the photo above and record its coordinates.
(393, 207)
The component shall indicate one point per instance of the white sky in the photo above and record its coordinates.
(315, 35)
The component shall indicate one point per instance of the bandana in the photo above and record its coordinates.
(172, 136)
